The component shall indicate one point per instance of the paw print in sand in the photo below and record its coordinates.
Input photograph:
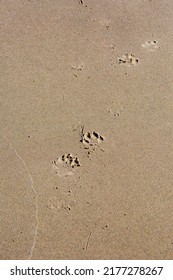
(91, 138)
(70, 160)
(116, 112)
(64, 164)
(129, 59)
(151, 45)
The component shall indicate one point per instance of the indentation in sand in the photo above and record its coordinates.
(151, 45)
(56, 204)
(105, 23)
(91, 140)
(110, 46)
(65, 164)
(116, 112)
(78, 67)
(128, 59)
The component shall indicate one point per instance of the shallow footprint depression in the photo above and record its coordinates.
(65, 165)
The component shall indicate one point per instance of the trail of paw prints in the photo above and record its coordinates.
(65, 165)
(128, 59)
(91, 140)
(151, 45)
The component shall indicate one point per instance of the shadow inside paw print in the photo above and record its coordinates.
(70, 160)
(129, 59)
(116, 112)
(64, 164)
(91, 138)
(78, 67)
(151, 45)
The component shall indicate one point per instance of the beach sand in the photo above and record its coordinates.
(92, 79)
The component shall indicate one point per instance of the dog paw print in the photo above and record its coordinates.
(105, 23)
(90, 140)
(151, 45)
(70, 160)
(116, 112)
(59, 204)
(64, 164)
(129, 59)
(78, 67)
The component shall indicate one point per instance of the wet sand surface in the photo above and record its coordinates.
(86, 129)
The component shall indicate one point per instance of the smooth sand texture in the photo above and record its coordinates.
(61, 77)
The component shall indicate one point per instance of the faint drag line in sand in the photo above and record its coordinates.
(87, 243)
(33, 190)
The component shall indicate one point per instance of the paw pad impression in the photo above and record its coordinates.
(89, 138)
(129, 59)
(69, 160)
(151, 45)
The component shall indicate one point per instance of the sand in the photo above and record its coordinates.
(86, 129)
